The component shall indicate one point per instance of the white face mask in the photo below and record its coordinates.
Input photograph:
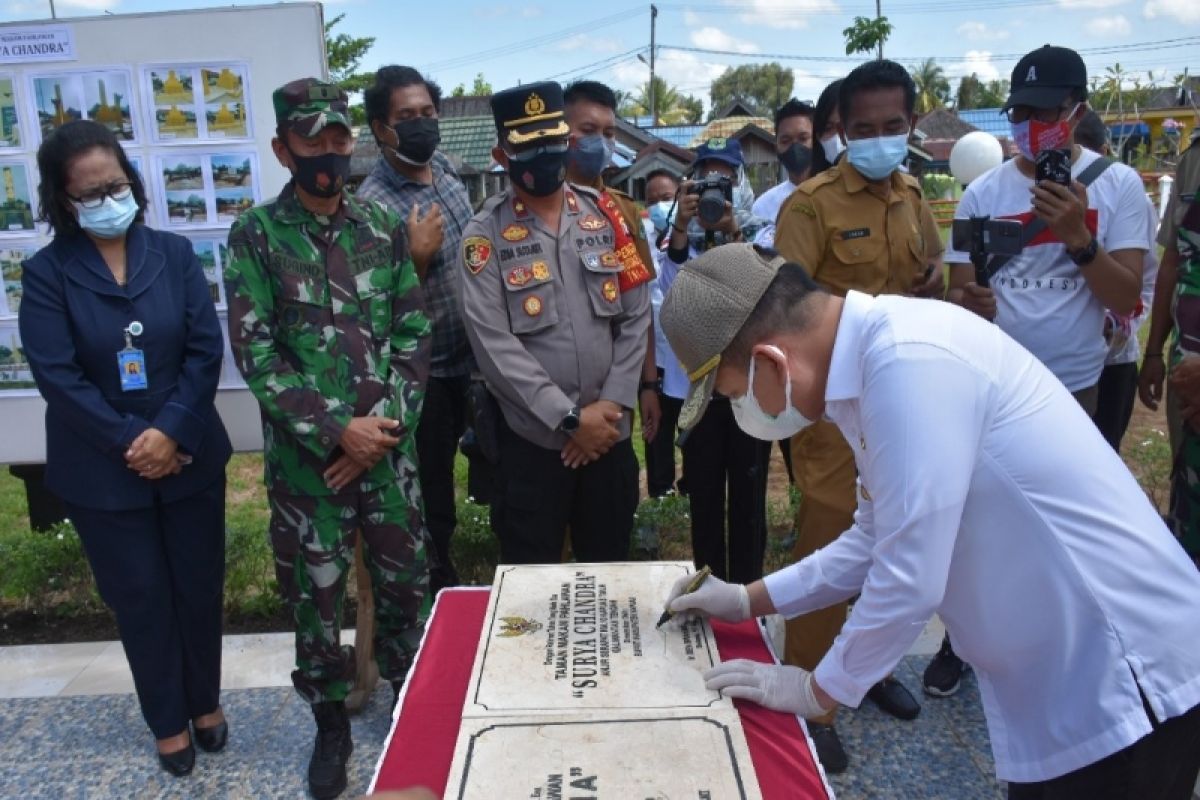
(833, 147)
(761, 425)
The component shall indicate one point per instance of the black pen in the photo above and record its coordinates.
(699, 579)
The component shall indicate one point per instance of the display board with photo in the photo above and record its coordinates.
(10, 115)
(15, 376)
(16, 203)
(206, 253)
(103, 95)
(12, 258)
(206, 189)
(197, 102)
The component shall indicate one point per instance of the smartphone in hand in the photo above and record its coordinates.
(1054, 165)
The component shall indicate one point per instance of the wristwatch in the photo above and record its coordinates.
(650, 386)
(570, 423)
(1085, 255)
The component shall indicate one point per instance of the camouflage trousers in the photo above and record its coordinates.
(313, 539)
(1184, 511)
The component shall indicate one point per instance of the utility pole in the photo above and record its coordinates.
(653, 94)
(878, 15)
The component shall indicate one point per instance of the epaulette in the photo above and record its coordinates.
(813, 184)
(488, 206)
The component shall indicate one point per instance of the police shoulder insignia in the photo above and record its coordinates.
(593, 223)
(514, 233)
(572, 202)
(476, 252)
(541, 271)
(532, 305)
(610, 290)
(519, 276)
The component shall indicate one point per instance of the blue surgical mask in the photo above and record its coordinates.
(589, 156)
(660, 214)
(110, 219)
(833, 148)
(759, 424)
(878, 157)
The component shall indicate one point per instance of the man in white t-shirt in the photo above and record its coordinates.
(1052, 297)
(793, 145)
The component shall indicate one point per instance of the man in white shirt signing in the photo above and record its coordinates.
(1005, 512)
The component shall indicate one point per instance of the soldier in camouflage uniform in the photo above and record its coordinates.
(327, 326)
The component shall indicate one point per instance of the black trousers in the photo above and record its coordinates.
(443, 420)
(537, 497)
(162, 572)
(1114, 405)
(660, 453)
(719, 461)
(1162, 765)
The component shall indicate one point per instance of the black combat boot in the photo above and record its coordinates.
(327, 767)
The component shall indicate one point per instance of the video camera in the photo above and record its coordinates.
(715, 191)
(984, 236)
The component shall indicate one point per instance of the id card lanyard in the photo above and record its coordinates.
(131, 362)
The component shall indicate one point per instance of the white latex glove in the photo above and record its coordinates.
(715, 598)
(774, 686)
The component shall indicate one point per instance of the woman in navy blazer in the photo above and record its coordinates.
(122, 338)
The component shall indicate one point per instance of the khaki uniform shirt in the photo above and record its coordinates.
(547, 321)
(851, 234)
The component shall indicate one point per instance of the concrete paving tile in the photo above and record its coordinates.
(44, 670)
(107, 674)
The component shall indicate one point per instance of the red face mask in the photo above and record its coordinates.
(1033, 136)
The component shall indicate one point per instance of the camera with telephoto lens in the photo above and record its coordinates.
(715, 191)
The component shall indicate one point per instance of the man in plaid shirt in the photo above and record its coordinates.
(419, 183)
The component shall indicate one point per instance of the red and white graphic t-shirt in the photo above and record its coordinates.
(1042, 299)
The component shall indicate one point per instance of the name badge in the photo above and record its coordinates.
(132, 366)
(857, 233)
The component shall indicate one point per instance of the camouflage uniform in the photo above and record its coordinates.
(326, 323)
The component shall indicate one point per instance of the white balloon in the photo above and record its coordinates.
(973, 155)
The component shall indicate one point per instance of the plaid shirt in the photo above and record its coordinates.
(451, 350)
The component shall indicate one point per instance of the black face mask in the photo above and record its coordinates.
(796, 159)
(540, 175)
(418, 138)
(321, 176)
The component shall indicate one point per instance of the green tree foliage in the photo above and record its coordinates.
(974, 93)
(480, 88)
(764, 86)
(674, 107)
(866, 34)
(343, 53)
(933, 90)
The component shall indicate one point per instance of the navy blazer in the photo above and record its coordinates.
(73, 316)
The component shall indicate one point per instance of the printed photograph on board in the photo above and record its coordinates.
(187, 207)
(10, 128)
(59, 100)
(182, 172)
(224, 102)
(175, 107)
(205, 250)
(16, 209)
(233, 183)
(11, 259)
(106, 100)
(14, 368)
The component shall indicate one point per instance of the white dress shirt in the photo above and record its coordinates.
(767, 208)
(988, 496)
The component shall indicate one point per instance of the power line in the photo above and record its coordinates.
(834, 10)
(500, 51)
(595, 66)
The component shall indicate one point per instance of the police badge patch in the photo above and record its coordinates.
(593, 223)
(514, 233)
(476, 252)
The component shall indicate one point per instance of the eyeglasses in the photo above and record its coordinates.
(1018, 114)
(94, 198)
(529, 155)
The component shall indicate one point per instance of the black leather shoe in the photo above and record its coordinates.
(890, 695)
(180, 762)
(830, 752)
(211, 740)
(327, 767)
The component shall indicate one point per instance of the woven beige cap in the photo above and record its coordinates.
(708, 304)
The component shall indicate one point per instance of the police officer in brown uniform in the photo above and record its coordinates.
(859, 225)
(557, 320)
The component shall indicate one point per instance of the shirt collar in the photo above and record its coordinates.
(289, 211)
(398, 180)
(845, 366)
(853, 180)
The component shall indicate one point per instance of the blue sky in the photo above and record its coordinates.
(511, 42)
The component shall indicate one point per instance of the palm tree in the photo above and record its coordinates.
(933, 90)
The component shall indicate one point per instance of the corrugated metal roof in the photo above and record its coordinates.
(469, 138)
(987, 119)
(728, 126)
(678, 135)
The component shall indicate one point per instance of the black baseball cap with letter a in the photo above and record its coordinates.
(1044, 78)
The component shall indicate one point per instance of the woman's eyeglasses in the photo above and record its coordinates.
(94, 198)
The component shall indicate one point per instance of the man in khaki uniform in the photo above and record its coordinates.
(859, 225)
(557, 321)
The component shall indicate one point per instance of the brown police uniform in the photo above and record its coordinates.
(849, 234)
(553, 329)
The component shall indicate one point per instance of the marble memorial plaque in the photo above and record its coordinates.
(603, 757)
(565, 637)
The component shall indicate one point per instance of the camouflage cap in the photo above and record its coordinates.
(307, 105)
